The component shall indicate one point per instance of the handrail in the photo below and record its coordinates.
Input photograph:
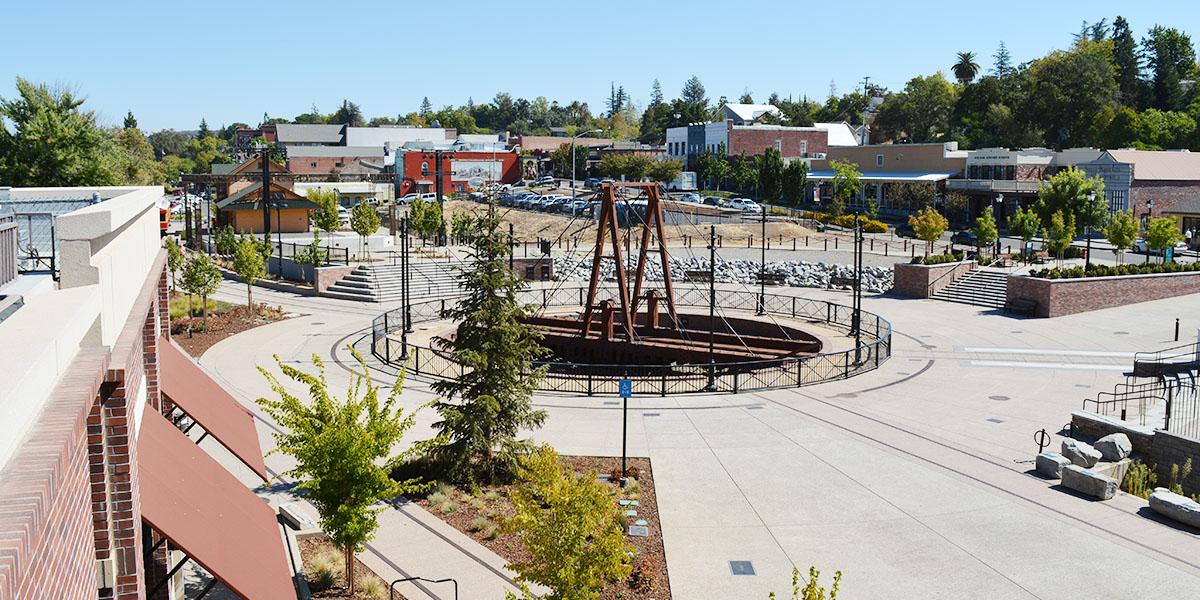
(975, 270)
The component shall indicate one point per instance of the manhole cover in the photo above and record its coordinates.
(741, 567)
(1000, 398)
(995, 420)
(639, 531)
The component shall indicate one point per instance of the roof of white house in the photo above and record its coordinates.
(333, 151)
(840, 134)
(750, 112)
(393, 136)
(290, 133)
(1160, 165)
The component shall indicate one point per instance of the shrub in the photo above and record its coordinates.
(938, 259)
(1114, 270)
(479, 524)
(373, 587)
(1140, 479)
(448, 508)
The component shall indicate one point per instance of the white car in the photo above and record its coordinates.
(432, 197)
(689, 197)
(408, 198)
(546, 180)
(744, 205)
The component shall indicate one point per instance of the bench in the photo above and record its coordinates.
(698, 275)
(841, 281)
(1022, 306)
(771, 278)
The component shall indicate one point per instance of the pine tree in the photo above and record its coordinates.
(204, 131)
(656, 93)
(1129, 66)
(1002, 62)
(485, 409)
(130, 121)
(426, 107)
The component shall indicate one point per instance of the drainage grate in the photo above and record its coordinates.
(741, 567)
(995, 420)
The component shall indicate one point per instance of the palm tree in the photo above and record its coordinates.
(966, 68)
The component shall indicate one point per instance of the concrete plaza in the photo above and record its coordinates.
(913, 479)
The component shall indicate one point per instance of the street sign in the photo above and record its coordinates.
(626, 388)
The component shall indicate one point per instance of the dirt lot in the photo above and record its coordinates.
(479, 515)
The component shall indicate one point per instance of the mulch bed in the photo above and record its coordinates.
(310, 547)
(196, 335)
(492, 503)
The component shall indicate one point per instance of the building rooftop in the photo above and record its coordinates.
(840, 134)
(286, 133)
(333, 151)
(1160, 165)
(750, 112)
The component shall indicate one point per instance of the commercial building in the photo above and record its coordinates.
(742, 133)
(334, 160)
(102, 491)
(1158, 183)
(884, 167)
(1007, 179)
(419, 170)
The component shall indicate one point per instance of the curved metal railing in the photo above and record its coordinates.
(875, 348)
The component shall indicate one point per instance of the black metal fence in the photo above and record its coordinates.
(589, 379)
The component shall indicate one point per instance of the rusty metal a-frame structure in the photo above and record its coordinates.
(607, 226)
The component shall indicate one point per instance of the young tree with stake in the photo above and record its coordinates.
(364, 220)
(1025, 224)
(249, 265)
(1121, 231)
(201, 278)
(929, 225)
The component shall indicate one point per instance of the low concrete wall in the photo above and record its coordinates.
(912, 281)
(1058, 297)
(1155, 447)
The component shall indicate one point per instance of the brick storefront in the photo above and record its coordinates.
(1167, 195)
(1058, 297)
(791, 141)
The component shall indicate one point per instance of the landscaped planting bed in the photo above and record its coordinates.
(197, 334)
(480, 513)
(325, 570)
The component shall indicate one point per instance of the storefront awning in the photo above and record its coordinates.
(195, 392)
(206, 512)
(885, 177)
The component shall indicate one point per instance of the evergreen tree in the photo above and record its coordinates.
(795, 179)
(349, 114)
(1129, 66)
(1002, 62)
(746, 98)
(426, 107)
(1171, 59)
(656, 93)
(485, 409)
(770, 175)
(203, 131)
(130, 121)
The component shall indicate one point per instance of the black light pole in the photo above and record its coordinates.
(279, 205)
(439, 190)
(512, 249)
(1087, 231)
(762, 267)
(712, 304)
(407, 287)
(404, 288)
(856, 315)
(187, 218)
(266, 196)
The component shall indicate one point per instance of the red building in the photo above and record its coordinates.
(458, 169)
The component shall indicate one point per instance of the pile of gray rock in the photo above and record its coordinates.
(1093, 470)
(876, 280)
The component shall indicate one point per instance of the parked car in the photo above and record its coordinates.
(905, 230)
(546, 202)
(689, 197)
(591, 182)
(965, 238)
(577, 207)
(744, 204)
(560, 204)
(407, 198)
(713, 201)
(344, 216)
(544, 180)
(1140, 247)
(607, 180)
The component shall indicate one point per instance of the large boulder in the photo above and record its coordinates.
(1080, 453)
(1089, 482)
(1114, 447)
(1175, 507)
(1050, 464)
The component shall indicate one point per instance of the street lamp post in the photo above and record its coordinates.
(573, 138)
(279, 206)
(999, 202)
(1149, 215)
(1087, 231)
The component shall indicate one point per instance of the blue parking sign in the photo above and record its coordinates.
(626, 388)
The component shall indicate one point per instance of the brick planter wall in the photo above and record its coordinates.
(912, 281)
(1157, 448)
(1058, 297)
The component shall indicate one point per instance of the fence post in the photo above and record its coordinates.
(589, 389)
(828, 309)
(799, 372)
(835, 243)
(793, 243)
(387, 348)
(543, 297)
(663, 391)
(735, 382)
(443, 306)
(417, 358)
(847, 362)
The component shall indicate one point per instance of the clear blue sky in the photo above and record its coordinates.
(174, 61)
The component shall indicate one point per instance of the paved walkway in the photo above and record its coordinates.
(911, 479)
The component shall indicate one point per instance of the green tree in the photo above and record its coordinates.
(175, 257)
(664, 171)
(846, 185)
(813, 590)
(203, 131)
(1171, 60)
(1066, 92)
(744, 176)
(795, 179)
(986, 232)
(929, 225)
(200, 278)
(965, 69)
(338, 446)
(312, 255)
(713, 167)
(1025, 224)
(225, 240)
(485, 409)
(632, 167)
(956, 206)
(1067, 192)
(349, 114)
(425, 217)
(130, 121)
(206, 151)
(248, 263)
(53, 141)
(1059, 233)
(1121, 231)
(364, 220)
(169, 142)
(921, 112)
(560, 159)
(135, 158)
(1127, 61)
(570, 526)
(325, 217)
(912, 196)
(1162, 233)
(770, 175)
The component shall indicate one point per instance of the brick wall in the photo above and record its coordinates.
(912, 281)
(753, 141)
(322, 164)
(1158, 448)
(1166, 195)
(46, 540)
(1058, 297)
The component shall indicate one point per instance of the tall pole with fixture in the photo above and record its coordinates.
(1087, 231)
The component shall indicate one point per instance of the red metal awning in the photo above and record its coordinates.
(194, 391)
(206, 512)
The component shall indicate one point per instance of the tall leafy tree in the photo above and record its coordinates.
(795, 179)
(130, 121)
(1066, 93)
(985, 230)
(929, 226)
(965, 68)
(922, 110)
(348, 114)
(1171, 59)
(136, 158)
(53, 141)
(1025, 224)
(339, 446)
(1128, 63)
(846, 183)
(694, 101)
(484, 410)
(1068, 192)
(770, 175)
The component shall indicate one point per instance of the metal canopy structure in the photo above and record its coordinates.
(608, 225)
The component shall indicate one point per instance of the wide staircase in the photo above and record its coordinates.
(981, 287)
(383, 283)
